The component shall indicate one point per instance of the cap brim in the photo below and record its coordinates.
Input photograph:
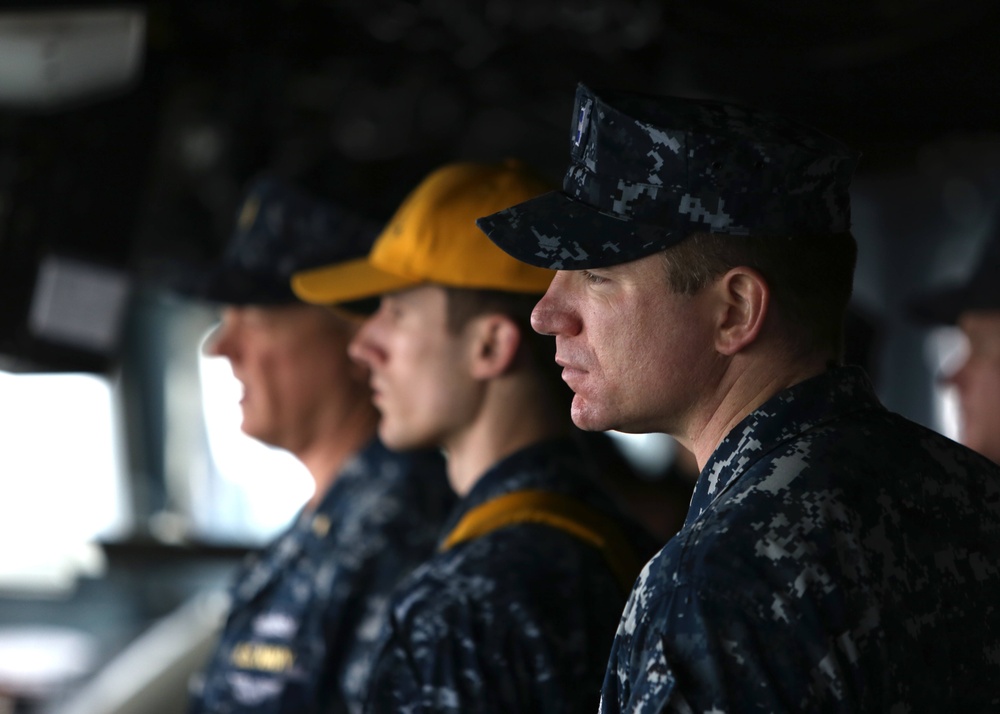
(237, 288)
(939, 308)
(349, 281)
(557, 232)
(222, 284)
(944, 307)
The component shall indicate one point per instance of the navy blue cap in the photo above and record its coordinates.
(979, 291)
(647, 172)
(279, 231)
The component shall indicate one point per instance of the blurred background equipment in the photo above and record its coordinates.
(55, 57)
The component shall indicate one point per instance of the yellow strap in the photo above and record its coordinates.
(558, 511)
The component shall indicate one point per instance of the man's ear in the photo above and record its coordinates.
(494, 342)
(743, 305)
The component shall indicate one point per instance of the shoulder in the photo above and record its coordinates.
(505, 579)
(385, 491)
(886, 440)
(797, 518)
(849, 473)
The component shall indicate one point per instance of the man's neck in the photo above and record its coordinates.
(330, 448)
(746, 385)
(508, 421)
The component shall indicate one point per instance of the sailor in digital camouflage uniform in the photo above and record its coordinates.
(306, 611)
(974, 306)
(835, 557)
(517, 610)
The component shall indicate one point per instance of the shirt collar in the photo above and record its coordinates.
(786, 415)
(553, 465)
(357, 468)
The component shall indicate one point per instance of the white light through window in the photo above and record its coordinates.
(62, 486)
(946, 350)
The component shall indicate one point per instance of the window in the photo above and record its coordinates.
(946, 349)
(62, 484)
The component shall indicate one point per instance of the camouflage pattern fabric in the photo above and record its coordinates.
(647, 172)
(518, 620)
(306, 612)
(279, 230)
(836, 558)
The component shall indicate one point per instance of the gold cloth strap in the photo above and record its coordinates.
(557, 511)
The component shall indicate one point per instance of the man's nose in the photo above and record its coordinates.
(554, 313)
(363, 348)
(217, 342)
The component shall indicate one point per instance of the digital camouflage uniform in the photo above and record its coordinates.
(307, 611)
(518, 620)
(836, 557)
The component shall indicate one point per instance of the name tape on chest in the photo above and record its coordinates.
(262, 657)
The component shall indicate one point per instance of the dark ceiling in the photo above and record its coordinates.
(357, 99)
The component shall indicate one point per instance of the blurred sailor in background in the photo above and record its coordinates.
(974, 306)
(517, 609)
(306, 610)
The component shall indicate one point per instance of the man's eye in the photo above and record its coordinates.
(593, 279)
(389, 307)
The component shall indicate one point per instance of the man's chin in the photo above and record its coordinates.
(263, 436)
(586, 417)
(989, 448)
(399, 441)
(589, 416)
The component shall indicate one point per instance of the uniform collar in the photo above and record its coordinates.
(553, 465)
(309, 526)
(786, 415)
(358, 466)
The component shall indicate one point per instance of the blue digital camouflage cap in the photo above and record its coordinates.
(979, 291)
(279, 230)
(647, 172)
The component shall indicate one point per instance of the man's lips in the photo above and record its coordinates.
(569, 363)
(570, 371)
(376, 391)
